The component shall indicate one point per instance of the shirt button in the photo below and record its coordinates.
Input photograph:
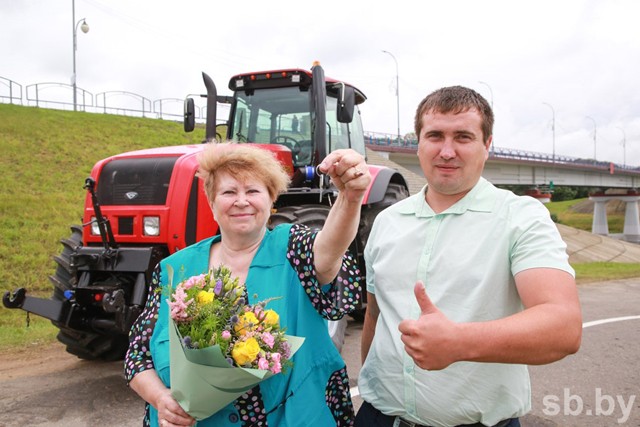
(233, 418)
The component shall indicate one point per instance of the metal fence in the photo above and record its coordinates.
(57, 95)
(60, 96)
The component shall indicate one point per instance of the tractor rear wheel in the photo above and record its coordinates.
(83, 344)
(313, 216)
(394, 193)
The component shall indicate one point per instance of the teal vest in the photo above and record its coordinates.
(270, 275)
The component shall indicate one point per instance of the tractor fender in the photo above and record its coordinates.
(380, 179)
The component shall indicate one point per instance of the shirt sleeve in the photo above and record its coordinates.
(138, 357)
(537, 241)
(331, 301)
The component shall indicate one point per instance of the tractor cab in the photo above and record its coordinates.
(288, 108)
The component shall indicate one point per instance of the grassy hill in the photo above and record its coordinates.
(578, 213)
(46, 156)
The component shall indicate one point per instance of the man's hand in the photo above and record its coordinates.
(429, 340)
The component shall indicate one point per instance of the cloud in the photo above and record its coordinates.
(580, 56)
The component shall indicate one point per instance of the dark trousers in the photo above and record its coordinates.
(369, 416)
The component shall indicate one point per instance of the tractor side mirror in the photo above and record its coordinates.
(346, 103)
(189, 115)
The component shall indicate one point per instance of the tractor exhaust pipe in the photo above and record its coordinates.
(319, 94)
(212, 100)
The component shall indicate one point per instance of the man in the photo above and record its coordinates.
(467, 284)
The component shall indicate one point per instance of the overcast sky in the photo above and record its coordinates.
(580, 57)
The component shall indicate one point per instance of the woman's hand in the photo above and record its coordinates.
(348, 172)
(149, 386)
(170, 413)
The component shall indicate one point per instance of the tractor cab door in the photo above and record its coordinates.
(343, 134)
(283, 116)
(275, 116)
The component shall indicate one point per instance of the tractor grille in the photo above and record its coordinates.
(135, 181)
(125, 225)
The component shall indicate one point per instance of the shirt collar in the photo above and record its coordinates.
(479, 199)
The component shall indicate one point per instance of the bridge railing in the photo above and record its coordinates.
(11, 92)
(381, 141)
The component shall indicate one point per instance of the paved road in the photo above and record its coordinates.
(597, 387)
(590, 388)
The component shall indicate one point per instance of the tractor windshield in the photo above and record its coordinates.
(282, 116)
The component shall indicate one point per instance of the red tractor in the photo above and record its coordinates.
(144, 205)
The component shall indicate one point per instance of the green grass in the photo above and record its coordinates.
(582, 221)
(602, 271)
(593, 271)
(46, 156)
(16, 330)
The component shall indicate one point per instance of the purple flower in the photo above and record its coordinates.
(186, 341)
(218, 287)
(286, 350)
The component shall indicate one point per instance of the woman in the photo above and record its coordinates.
(292, 262)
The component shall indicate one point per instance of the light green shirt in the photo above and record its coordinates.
(467, 257)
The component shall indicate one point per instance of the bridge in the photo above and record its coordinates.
(542, 172)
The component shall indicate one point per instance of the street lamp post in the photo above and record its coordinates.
(624, 147)
(594, 138)
(553, 130)
(491, 93)
(397, 92)
(85, 29)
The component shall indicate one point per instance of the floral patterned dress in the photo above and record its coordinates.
(317, 388)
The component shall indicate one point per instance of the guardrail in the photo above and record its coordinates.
(380, 141)
(11, 92)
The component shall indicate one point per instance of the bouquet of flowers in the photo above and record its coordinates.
(221, 346)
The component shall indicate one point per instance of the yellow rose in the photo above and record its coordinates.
(246, 323)
(205, 297)
(245, 352)
(271, 318)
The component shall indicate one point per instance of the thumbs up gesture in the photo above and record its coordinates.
(431, 339)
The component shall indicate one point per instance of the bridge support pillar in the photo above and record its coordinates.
(631, 229)
(600, 224)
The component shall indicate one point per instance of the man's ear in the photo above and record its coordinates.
(487, 147)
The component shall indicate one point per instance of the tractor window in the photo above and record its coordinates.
(241, 124)
(282, 116)
(275, 116)
(344, 135)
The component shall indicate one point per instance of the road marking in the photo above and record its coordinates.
(356, 392)
(610, 320)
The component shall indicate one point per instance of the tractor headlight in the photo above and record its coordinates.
(151, 225)
(95, 230)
